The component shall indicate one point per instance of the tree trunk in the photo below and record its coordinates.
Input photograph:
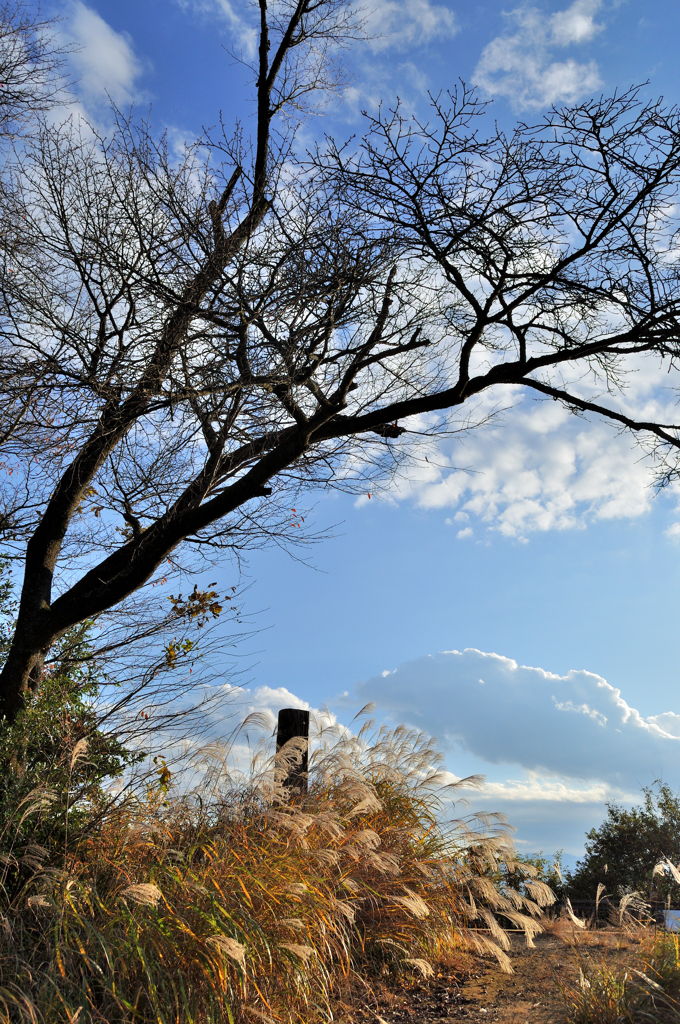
(20, 676)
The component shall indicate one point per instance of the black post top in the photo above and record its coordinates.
(294, 722)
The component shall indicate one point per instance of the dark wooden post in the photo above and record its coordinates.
(294, 722)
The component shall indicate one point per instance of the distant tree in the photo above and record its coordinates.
(190, 344)
(623, 851)
(534, 866)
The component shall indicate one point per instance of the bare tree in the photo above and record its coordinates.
(190, 341)
(32, 81)
(31, 66)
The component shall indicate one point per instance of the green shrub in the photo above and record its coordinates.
(57, 732)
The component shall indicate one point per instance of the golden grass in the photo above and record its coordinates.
(642, 987)
(246, 905)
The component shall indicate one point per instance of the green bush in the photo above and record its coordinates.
(43, 799)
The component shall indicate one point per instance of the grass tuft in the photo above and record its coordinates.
(646, 995)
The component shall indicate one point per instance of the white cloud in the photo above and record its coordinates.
(576, 24)
(668, 722)
(105, 63)
(571, 727)
(234, 736)
(521, 65)
(242, 31)
(270, 699)
(540, 788)
(540, 468)
(403, 24)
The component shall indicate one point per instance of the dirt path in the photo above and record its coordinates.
(529, 996)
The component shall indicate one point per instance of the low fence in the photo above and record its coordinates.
(603, 911)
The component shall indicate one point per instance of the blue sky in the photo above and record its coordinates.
(540, 540)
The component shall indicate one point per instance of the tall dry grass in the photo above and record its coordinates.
(236, 902)
(648, 993)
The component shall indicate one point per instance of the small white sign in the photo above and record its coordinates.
(671, 920)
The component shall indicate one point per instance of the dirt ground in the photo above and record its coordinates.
(531, 995)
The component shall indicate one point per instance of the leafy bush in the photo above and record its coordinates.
(58, 730)
(55, 759)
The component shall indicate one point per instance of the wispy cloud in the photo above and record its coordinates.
(537, 788)
(522, 64)
(233, 19)
(404, 24)
(104, 60)
(389, 24)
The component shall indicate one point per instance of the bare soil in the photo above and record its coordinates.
(477, 990)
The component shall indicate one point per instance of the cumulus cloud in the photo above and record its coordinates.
(233, 735)
(571, 727)
(521, 64)
(230, 706)
(104, 60)
(271, 699)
